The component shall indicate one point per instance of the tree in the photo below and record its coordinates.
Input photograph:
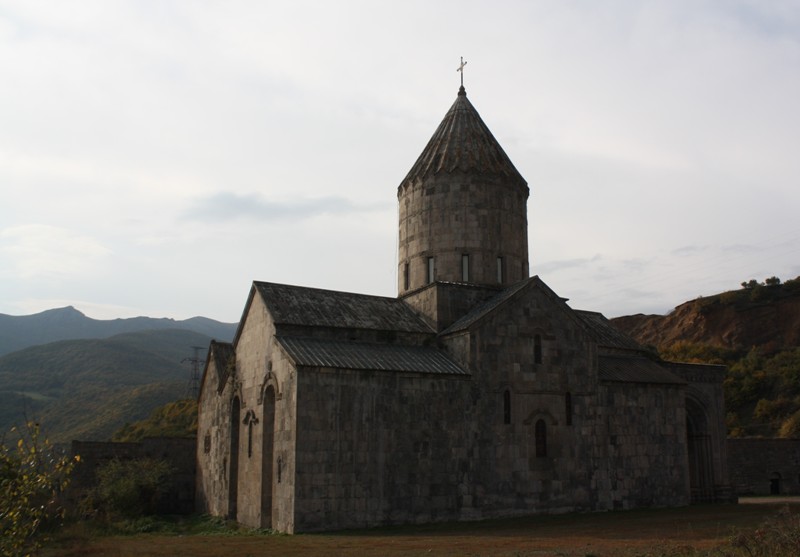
(32, 476)
(773, 281)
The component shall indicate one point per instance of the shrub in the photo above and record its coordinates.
(32, 477)
(777, 537)
(130, 488)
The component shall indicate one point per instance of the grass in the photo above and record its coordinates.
(697, 531)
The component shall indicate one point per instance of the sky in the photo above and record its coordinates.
(156, 157)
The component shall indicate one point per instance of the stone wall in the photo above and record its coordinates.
(442, 303)
(379, 448)
(458, 214)
(178, 496)
(765, 466)
(213, 446)
(645, 453)
(262, 374)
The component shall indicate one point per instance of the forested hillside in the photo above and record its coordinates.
(88, 389)
(755, 331)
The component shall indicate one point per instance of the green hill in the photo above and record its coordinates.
(88, 389)
(174, 419)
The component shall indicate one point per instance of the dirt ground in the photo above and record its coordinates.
(613, 534)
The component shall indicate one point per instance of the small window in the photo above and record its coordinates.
(465, 267)
(500, 274)
(568, 407)
(249, 439)
(507, 407)
(431, 270)
(405, 276)
(541, 439)
(537, 349)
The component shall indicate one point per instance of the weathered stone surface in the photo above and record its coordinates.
(764, 466)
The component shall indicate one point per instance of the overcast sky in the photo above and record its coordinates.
(156, 157)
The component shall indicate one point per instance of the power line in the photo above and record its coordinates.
(193, 388)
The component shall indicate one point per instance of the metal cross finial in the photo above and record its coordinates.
(461, 69)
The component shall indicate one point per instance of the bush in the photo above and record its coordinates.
(32, 477)
(778, 537)
(130, 488)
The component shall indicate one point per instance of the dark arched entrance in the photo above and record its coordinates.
(233, 471)
(267, 458)
(701, 467)
(775, 484)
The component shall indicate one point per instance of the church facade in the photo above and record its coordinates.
(477, 392)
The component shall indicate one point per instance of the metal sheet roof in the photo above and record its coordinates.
(378, 357)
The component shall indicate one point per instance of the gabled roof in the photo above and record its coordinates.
(220, 354)
(490, 305)
(462, 142)
(635, 369)
(361, 356)
(605, 334)
(314, 307)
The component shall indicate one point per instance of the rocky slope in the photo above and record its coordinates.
(767, 317)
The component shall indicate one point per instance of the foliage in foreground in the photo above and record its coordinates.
(32, 477)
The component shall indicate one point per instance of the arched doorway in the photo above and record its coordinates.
(701, 466)
(233, 470)
(267, 457)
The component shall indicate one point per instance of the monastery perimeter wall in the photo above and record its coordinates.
(764, 466)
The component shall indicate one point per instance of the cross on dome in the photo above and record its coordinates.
(461, 69)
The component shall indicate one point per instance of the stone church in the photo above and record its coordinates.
(477, 392)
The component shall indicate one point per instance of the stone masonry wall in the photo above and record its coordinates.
(379, 448)
(441, 304)
(646, 454)
(179, 453)
(511, 476)
(263, 501)
(456, 214)
(213, 446)
(765, 466)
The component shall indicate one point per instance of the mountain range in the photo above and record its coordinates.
(18, 332)
(82, 378)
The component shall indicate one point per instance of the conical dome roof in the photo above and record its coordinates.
(463, 143)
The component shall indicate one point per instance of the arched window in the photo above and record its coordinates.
(540, 433)
(537, 349)
(507, 407)
(267, 457)
(568, 407)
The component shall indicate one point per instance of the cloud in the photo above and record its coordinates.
(225, 206)
(40, 251)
